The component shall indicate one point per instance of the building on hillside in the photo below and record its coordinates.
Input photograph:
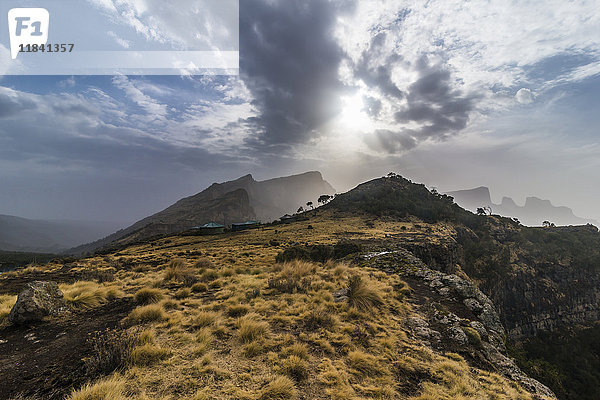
(211, 228)
(241, 226)
(287, 218)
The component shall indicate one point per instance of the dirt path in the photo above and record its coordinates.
(46, 359)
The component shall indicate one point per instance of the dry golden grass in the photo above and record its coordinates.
(362, 294)
(107, 389)
(177, 270)
(231, 337)
(251, 329)
(281, 388)
(6, 304)
(147, 354)
(146, 296)
(85, 294)
(145, 314)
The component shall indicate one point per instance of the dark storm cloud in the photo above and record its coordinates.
(289, 62)
(435, 104)
(379, 73)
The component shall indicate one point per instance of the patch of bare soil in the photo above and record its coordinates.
(46, 359)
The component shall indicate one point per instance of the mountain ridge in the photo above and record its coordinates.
(227, 202)
(533, 213)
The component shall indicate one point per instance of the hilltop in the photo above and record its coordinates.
(387, 291)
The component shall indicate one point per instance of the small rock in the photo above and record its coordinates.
(340, 295)
(473, 305)
(37, 300)
(458, 335)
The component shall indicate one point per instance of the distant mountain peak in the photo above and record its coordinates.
(534, 212)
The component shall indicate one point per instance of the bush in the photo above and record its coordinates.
(282, 388)
(112, 350)
(362, 295)
(146, 296)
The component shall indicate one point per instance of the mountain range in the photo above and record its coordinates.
(234, 201)
(533, 213)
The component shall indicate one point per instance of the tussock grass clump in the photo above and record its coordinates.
(182, 293)
(295, 367)
(147, 336)
(296, 268)
(107, 389)
(237, 310)
(149, 313)
(472, 335)
(87, 294)
(178, 270)
(148, 296)
(296, 349)
(204, 263)
(6, 304)
(362, 294)
(199, 287)
(250, 329)
(253, 349)
(319, 318)
(366, 364)
(204, 319)
(281, 388)
(148, 354)
(293, 276)
(209, 275)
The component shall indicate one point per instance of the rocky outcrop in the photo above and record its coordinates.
(38, 300)
(454, 316)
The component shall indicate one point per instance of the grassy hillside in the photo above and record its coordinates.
(218, 318)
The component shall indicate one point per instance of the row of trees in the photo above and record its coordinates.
(323, 199)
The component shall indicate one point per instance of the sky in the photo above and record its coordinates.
(453, 94)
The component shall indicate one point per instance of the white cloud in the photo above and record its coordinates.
(524, 96)
(122, 42)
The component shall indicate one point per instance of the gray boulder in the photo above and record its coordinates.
(37, 300)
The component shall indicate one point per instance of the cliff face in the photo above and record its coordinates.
(453, 315)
